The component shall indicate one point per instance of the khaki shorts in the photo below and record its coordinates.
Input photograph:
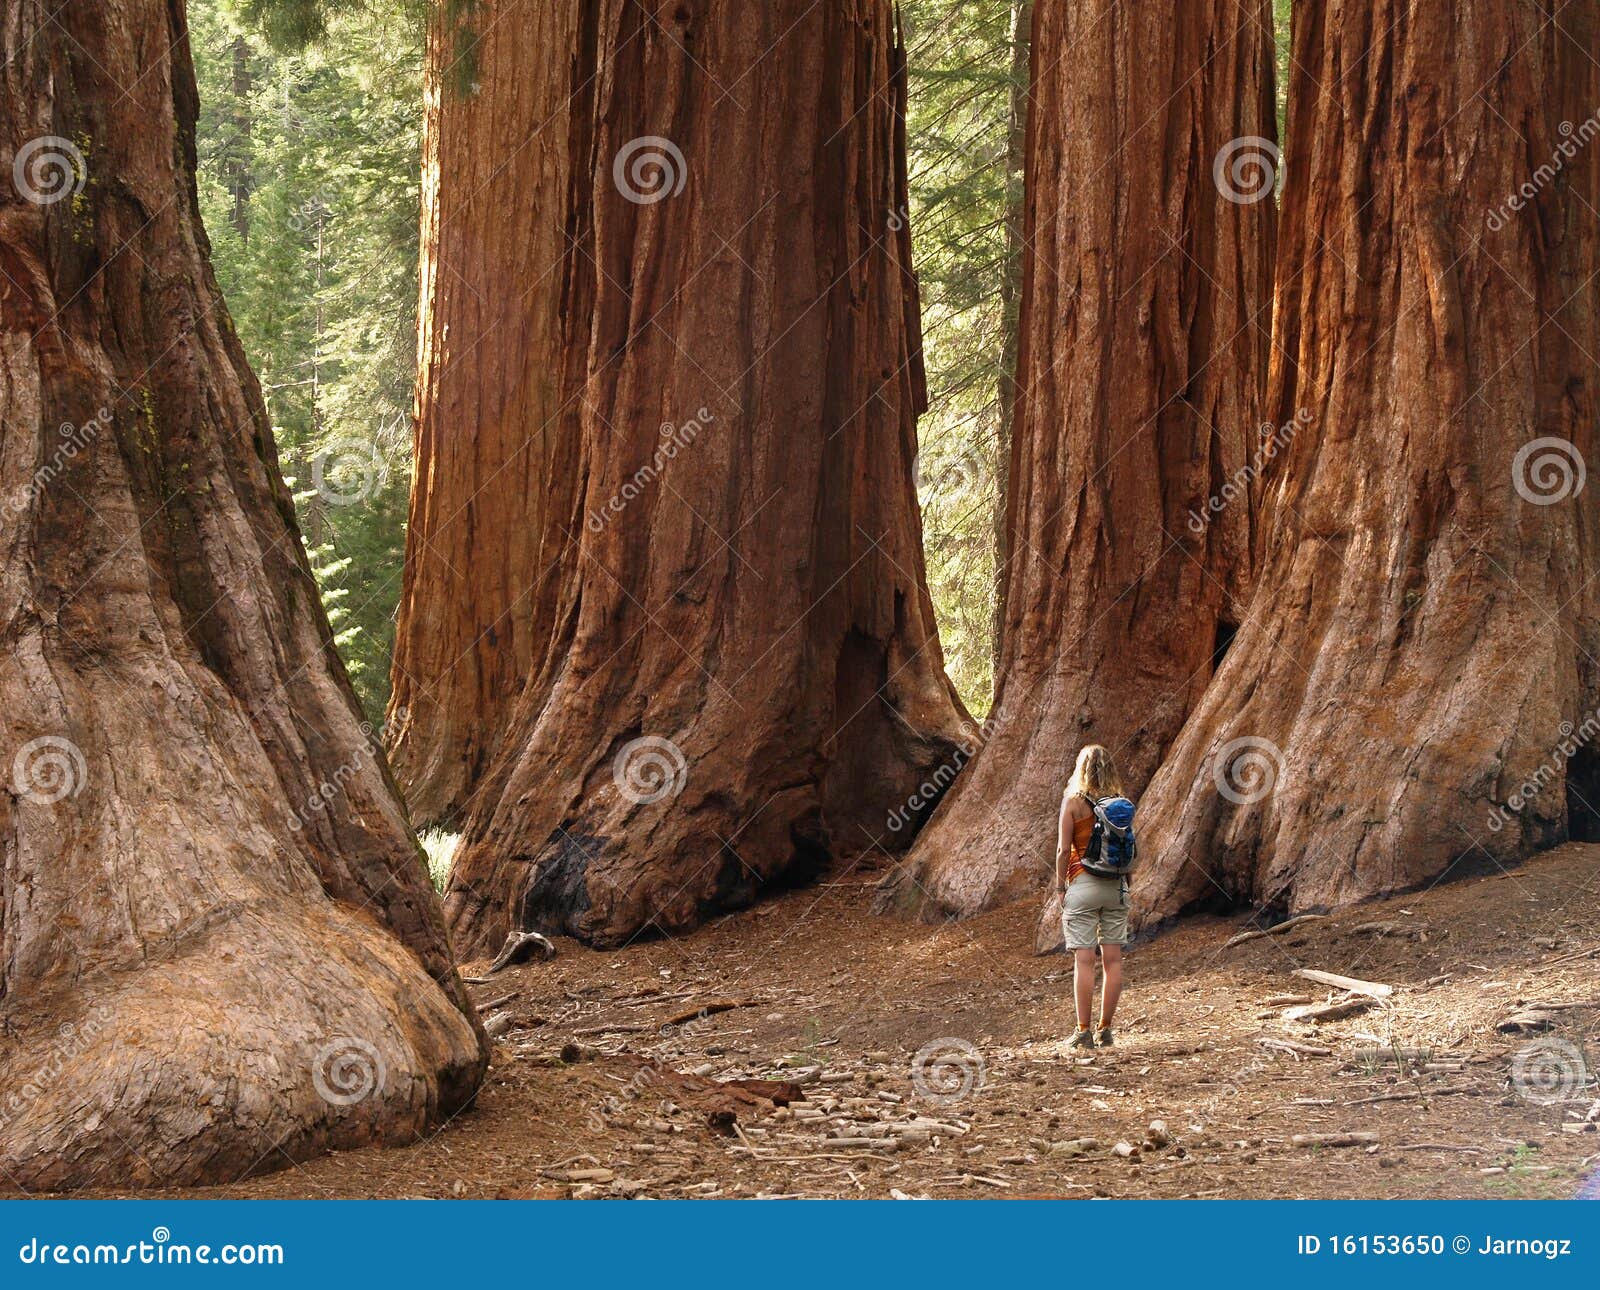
(1094, 912)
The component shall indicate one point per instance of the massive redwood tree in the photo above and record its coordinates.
(479, 596)
(742, 673)
(1144, 325)
(218, 949)
(1423, 637)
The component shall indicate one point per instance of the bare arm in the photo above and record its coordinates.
(1072, 810)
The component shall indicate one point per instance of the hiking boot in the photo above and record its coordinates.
(1083, 1039)
(1105, 1038)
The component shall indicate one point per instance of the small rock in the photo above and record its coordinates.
(1156, 1135)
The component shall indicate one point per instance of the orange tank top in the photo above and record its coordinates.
(1082, 831)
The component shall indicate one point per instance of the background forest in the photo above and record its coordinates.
(309, 160)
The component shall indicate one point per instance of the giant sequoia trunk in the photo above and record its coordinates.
(220, 952)
(478, 601)
(1144, 331)
(744, 674)
(1423, 636)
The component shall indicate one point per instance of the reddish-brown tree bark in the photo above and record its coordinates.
(744, 675)
(1423, 636)
(1144, 332)
(218, 949)
(478, 603)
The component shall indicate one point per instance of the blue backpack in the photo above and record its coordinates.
(1112, 850)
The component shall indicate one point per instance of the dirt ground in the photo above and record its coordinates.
(836, 1005)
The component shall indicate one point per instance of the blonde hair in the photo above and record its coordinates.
(1095, 775)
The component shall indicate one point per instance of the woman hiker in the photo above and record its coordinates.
(1094, 910)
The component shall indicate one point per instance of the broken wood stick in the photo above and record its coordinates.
(1296, 1050)
(1408, 1096)
(1329, 1011)
(1334, 1139)
(1256, 933)
(1439, 1146)
(489, 1005)
(521, 946)
(1374, 989)
(708, 1009)
(1573, 957)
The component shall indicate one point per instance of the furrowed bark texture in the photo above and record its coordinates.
(1144, 333)
(218, 949)
(745, 676)
(1423, 634)
(479, 597)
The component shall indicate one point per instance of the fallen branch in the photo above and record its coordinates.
(708, 1009)
(1407, 1097)
(1297, 1050)
(521, 946)
(1255, 933)
(1329, 1011)
(1355, 985)
(489, 1005)
(1567, 958)
(1392, 1054)
(1334, 1139)
(1440, 1146)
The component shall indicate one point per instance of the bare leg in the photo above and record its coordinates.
(1112, 956)
(1083, 984)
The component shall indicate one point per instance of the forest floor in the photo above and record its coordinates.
(839, 1002)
